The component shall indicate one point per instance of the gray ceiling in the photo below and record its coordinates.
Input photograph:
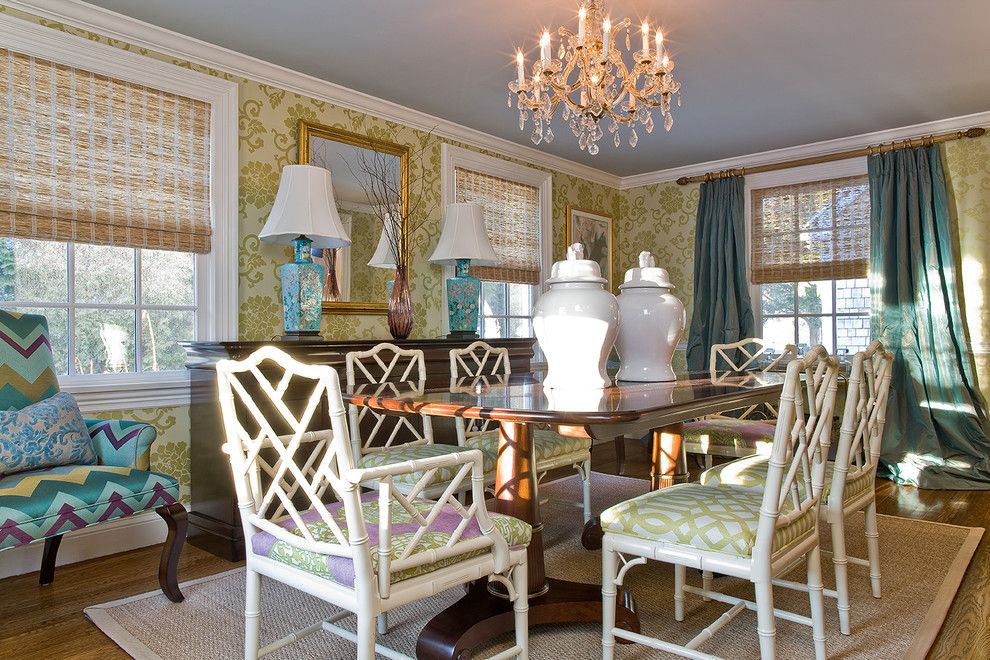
(756, 74)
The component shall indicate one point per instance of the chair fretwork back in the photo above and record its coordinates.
(381, 371)
(477, 364)
(479, 359)
(742, 356)
(796, 471)
(267, 491)
(863, 418)
(305, 460)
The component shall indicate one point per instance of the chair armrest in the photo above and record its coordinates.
(122, 443)
(360, 475)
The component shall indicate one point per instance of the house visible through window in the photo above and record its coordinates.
(809, 261)
(105, 203)
(109, 309)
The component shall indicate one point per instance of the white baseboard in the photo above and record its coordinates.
(96, 541)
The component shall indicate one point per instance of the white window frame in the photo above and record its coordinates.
(452, 157)
(789, 177)
(216, 272)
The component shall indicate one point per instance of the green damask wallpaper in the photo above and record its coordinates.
(968, 166)
(660, 218)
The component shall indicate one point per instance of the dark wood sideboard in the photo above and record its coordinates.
(216, 525)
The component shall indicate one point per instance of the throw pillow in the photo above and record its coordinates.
(45, 434)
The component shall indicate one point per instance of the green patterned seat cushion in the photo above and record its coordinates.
(401, 453)
(740, 436)
(722, 520)
(549, 444)
(341, 569)
(42, 503)
(751, 473)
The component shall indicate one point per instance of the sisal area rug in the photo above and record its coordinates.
(923, 565)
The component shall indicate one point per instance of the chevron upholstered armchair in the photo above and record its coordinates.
(44, 504)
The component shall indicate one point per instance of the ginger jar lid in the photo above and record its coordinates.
(576, 268)
(648, 275)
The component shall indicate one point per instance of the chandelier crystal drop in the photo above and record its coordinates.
(591, 80)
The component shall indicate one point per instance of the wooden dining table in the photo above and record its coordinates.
(519, 401)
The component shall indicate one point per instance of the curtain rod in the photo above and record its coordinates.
(839, 155)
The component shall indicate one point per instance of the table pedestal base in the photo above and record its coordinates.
(479, 616)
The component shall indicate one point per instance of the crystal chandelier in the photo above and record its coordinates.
(591, 80)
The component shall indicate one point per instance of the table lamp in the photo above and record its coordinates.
(463, 240)
(384, 256)
(305, 216)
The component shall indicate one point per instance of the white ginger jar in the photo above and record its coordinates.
(576, 323)
(652, 323)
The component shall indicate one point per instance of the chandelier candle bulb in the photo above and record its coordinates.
(545, 48)
(659, 43)
(646, 38)
(606, 35)
(582, 14)
(520, 71)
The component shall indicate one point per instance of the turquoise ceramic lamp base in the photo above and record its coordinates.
(463, 300)
(302, 293)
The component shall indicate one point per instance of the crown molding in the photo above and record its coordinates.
(173, 44)
(808, 150)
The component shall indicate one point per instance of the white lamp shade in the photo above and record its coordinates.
(384, 256)
(464, 237)
(304, 206)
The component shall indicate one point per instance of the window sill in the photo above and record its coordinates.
(104, 392)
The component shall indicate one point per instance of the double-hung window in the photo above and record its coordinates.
(516, 202)
(809, 260)
(109, 207)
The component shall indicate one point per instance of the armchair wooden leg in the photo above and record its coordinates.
(175, 517)
(48, 560)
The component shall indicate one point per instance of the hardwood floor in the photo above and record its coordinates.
(47, 622)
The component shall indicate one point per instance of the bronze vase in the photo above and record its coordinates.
(400, 311)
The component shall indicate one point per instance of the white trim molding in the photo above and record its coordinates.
(106, 392)
(452, 157)
(216, 272)
(167, 42)
(808, 150)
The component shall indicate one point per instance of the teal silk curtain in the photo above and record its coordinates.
(937, 428)
(723, 312)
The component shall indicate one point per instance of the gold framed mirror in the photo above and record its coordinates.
(357, 276)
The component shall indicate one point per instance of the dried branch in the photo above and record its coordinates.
(382, 183)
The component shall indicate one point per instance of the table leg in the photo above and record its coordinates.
(668, 467)
(669, 461)
(481, 615)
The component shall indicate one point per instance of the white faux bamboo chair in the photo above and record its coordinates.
(552, 450)
(381, 439)
(364, 554)
(850, 479)
(735, 531)
(745, 432)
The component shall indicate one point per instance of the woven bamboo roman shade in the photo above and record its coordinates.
(811, 231)
(512, 218)
(92, 159)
